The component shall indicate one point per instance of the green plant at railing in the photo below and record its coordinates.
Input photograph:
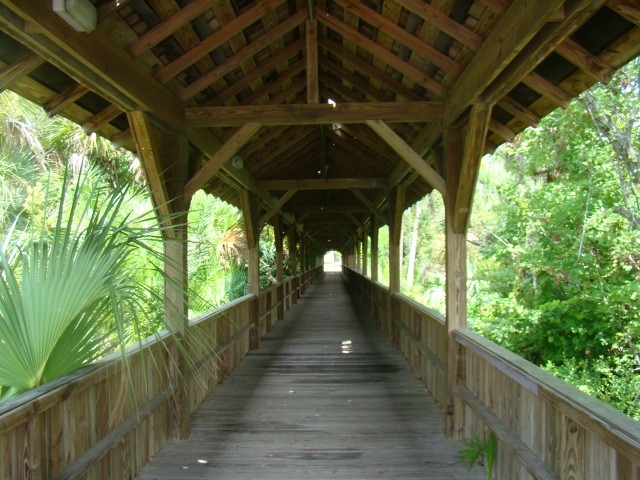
(480, 449)
(69, 295)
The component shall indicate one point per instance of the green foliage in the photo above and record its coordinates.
(559, 268)
(479, 449)
(66, 296)
(216, 253)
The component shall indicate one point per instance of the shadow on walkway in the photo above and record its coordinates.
(324, 397)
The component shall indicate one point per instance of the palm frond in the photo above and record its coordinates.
(65, 298)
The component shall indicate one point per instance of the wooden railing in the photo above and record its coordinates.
(108, 419)
(545, 428)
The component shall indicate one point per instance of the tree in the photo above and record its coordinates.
(561, 264)
(66, 296)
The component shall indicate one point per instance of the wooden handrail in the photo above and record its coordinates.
(544, 425)
(611, 425)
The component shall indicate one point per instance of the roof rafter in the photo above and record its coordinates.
(511, 34)
(164, 74)
(91, 59)
(224, 154)
(382, 53)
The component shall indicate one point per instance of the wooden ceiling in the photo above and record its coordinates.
(250, 81)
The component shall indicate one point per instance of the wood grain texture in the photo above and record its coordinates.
(574, 435)
(324, 397)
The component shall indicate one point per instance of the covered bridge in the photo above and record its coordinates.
(325, 119)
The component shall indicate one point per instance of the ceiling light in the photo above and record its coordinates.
(237, 161)
(80, 14)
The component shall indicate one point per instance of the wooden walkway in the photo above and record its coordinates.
(325, 397)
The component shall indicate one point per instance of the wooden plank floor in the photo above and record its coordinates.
(324, 397)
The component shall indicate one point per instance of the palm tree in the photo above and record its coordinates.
(217, 253)
(66, 296)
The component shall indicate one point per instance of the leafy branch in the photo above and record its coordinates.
(480, 449)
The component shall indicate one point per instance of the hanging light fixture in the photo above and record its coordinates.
(237, 161)
(80, 14)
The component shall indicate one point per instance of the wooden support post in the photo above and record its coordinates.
(456, 281)
(358, 252)
(164, 158)
(303, 265)
(374, 248)
(365, 244)
(293, 254)
(251, 214)
(396, 203)
(279, 241)
(469, 165)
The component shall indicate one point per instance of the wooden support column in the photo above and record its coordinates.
(396, 204)
(164, 157)
(279, 241)
(251, 214)
(358, 252)
(365, 244)
(374, 248)
(303, 264)
(456, 281)
(463, 149)
(469, 165)
(293, 253)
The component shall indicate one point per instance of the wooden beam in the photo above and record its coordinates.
(626, 9)
(456, 279)
(261, 95)
(240, 57)
(332, 209)
(501, 130)
(546, 41)
(18, 69)
(277, 206)
(547, 89)
(65, 98)
(251, 214)
(166, 73)
(384, 55)
(517, 110)
(148, 139)
(91, 59)
(370, 205)
(313, 95)
(319, 114)
(361, 66)
(396, 210)
(409, 155)
(507, 39)
(374, 252)
(169, 26)
(224, 154)
(584, 60)
(475, 134)
(325, 184)
(402, 36)
(264, 68)
(287, 141)
(443, 22)
(101, 118)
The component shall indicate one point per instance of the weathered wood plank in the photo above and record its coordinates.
(313, 114)
(324, 397)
